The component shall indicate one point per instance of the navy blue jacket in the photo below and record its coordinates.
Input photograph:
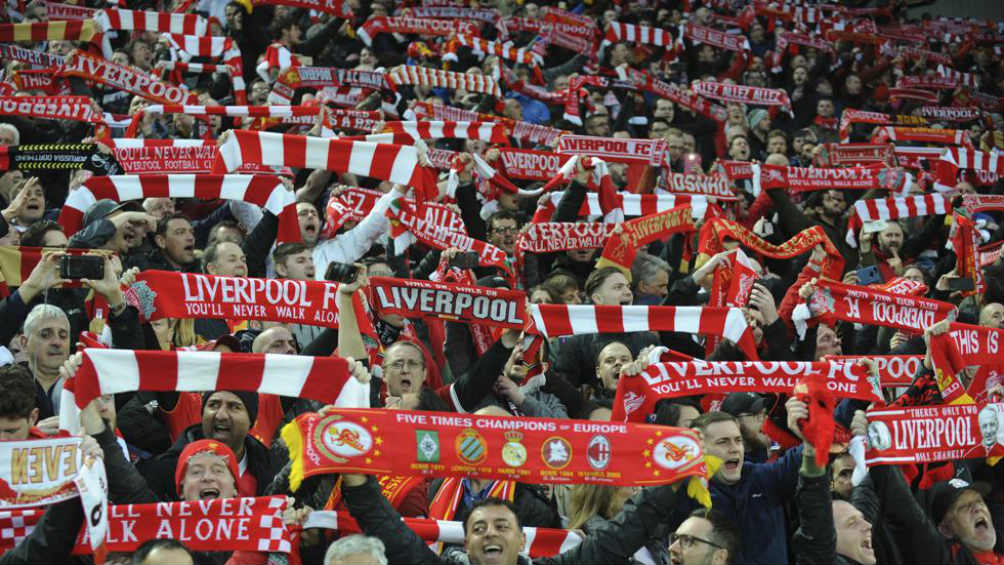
(756, 505)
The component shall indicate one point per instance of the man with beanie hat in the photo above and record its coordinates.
(226, 418)
(200, 474)
(759, 127)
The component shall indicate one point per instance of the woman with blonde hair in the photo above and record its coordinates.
(592, 506)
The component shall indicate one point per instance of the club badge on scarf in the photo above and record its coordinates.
(457, 302)
(530, 450)
(925, 434)
(637, 395)
(223, 524)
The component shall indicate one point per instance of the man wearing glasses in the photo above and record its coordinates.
(706, 537)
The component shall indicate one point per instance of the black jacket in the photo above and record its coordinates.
(53, 537)
(614, 543)
(532, 506)
(159, 472)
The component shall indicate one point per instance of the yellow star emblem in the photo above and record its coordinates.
(374, 428)
(368, 460)
(378, 441)
(646, 453)
(649, 441)
(364, 419)
(657, 473)
(648, 465)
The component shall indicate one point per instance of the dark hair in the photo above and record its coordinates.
(211, 254)
(735, 137)
(723, 531)
(491, 501)
(279, 24)
(777, 133)
(501, 215)
(34, 236)
(284, 250)
(597, 277)
(149, 546)
(429, 401)
(18, 386)
(162, 224)
(704, 420)
(223, 224)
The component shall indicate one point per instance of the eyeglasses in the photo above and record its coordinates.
(689, 541)
(505, 229)
(400, 364)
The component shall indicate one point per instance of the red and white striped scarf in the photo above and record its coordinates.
(925, 135)
(420, 26)
(913, 94)
(224, 48)
(279, 57)
(111, 371)
(162, 22)
(802, 179)
(617, 31)
(632, 204)
(720, 39)
(755, 95)
(910, 157)
(851, 116)
(34, 32)
(554, 320)
(122, 77)
(950, 113)
(406, 132)
(423, 76)
(646, 82)
(506, 50)
(534, 133)
(167, 156)
(929, 82)
(264, 191)
(76, 108)
(275, 111)
(338, 8)
(894, 208)
(954, 158)
(965, 79)
(804, 39)
(384, 161)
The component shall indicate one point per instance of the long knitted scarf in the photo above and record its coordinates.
(122, 77)
(850, 116)
(802, 179)
(356, 203)
(264, 191)
(219, 47)
(965, 239)
(925, 135)
(638, 394)
(162, 22)
(929, 82)
(33, 32)
(323, 78)
(842, 154)
(644, 81)
(894, 208)
(529, 164)
(435, 78)
(622, 247)
(420, 26)
(382, 441)
(57, 157)
(408, 131)
(954, 158)
(755, 95)
(453, 11)
(384, 161)
(618, 150)
(554, 320)
(507, 51)
(834, 301)
(111, 371)
(950, 113)
(617, 31)
(720, 39)
(715, 230)
(632, 205)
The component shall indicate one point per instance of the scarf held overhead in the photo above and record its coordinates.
(925, 434)
(851, 303)
(531, 450)
(455, 302)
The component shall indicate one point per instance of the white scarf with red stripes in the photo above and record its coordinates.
(554, 320)
(505, 50)
(395, 163)
(111, 371)
(755, 95)
(617, 31)
(420, 26)
(954, 158)
(631, 204)
(224, 48)
(264, 191)
(406, 132)
(894, 208)
(423, 76)
(713, 37)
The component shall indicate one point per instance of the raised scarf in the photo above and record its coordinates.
(632, 205)
(37, 58)
(34, 32)
(755, 95)
(618, 150)
(715, 230)
(167, 156)
(894, 208)
(646, 82)
(407, 132)
(122, 77)
(531, 450)
(617, 32)
(637, 395)
(264, 191)
(435, 78)
(58, 11)
(507, 51)
(413, 298)
(395, 163)
(929, 82)
(920, 134)
(925, 434)
(803, 179)
(355, 204)
(954, 158)
(420, 26)
(965, 239)
(530, 164)
(17, 263)
(950, 113)
(894, 371)
(715, 38)
(851, 116)
(839, 154)
(111, 371)
(450, 11)
(162, 22)
(896, 94)
(622, 247)
(862, 305)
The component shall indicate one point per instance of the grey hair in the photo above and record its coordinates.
(12, 129)
(647, 266)
(41, 313)
(355, 544)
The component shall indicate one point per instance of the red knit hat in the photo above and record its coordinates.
(204, 446)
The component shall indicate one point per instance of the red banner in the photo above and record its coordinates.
(528, 164)
(840, 154)
(893, 370)
(456, 302)
(978, 345)
(618, 150)
(834, 300)
(637, 395)
(548, 237)
(803, 179)
(528, 450)
(925, 434)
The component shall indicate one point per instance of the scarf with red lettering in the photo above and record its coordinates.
(965, 239)
(720, 39)
(420, 26)
(894, 208)
(715, 230)
(950, 113)
(384, 161)
(33, 32)
(407, 227)
(923, 434)
(122, 77)
(896, 94)
(223, 524)
(637, 395)
(834, 301)
(851, 116)
(337, 8)
(264, 191)
(554, 320)
(803, 179)
(489, 15)
(622, 247)
(111, 371)
(755, 95)
(378, 441)
(924, 135)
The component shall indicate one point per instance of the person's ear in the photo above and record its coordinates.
(211, 268)
(33, 417)
(160, 241)
(24, 341)
(280, 269)
(945, 529)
